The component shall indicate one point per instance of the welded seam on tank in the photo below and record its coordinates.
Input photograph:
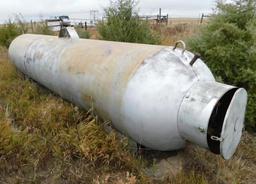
(137, 66)
(132, 75)
(194, 83)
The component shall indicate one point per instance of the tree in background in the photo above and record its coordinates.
(228, 45)
(123, 24)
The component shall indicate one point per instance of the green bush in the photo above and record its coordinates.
(8, 32)
(228, 45)
(11, 30)
(123, 24)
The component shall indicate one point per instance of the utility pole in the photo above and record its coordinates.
(94, 15)
(204, 16)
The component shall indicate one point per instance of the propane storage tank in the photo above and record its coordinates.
(159, 96)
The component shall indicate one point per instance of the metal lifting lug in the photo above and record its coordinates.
(183, 45)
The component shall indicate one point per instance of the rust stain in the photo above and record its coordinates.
(102, 68)
(109, 64)
(88, 99)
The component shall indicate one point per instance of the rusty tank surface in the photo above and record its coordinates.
(159, 96)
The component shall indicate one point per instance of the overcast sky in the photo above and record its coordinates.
(79, 8)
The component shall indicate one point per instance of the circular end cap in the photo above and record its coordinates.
(233, 124)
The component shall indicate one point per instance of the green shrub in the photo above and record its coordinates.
(123, 24)
(44, 138)
(8, 32)
(11, 30)
(228, 45)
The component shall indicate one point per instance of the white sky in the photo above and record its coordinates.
(32, 9)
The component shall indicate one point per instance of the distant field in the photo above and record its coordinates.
(177, 29)
(184, 21)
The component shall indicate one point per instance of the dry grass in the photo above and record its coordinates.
(3, 54)
(46, 139)
(240, 169)
(177, 29)
(191, 21)
(93, 33)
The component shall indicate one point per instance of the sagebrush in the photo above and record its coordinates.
(11, 29)
(123, 24)
(228, 45)
(8, 32)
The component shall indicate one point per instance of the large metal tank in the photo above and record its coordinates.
(159, 96)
